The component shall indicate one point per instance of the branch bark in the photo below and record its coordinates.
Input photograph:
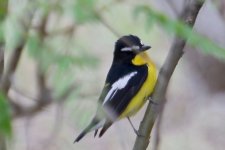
(45, 96)
(188, 16)
(21, 111)
(14, 58)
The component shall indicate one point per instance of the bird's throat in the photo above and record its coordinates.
(141, 59)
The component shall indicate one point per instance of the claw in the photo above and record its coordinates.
(135, 130)
(152, 102)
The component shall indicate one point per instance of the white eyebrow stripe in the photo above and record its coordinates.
(118, 85)
(126, 49)
(135, 47)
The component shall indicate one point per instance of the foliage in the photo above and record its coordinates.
(60, 60)
(5, 119)
(3, 9)
(179, 28)
(1, 32)
(84, 11)
(46, 54)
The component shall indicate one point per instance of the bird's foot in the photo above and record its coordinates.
(152, 102)
(135, 130)
(137, 133)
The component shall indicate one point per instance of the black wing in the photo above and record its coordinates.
(122, 84)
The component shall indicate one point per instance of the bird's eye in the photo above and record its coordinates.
(141, 42)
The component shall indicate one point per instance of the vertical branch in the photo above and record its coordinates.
(13, 63)
(188, 16)
(221, 9)
(2, 142)
(173, 7)
(44, 95)
(44, 92)
(157, 141)
(14, 58)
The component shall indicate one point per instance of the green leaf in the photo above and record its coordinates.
(14, 32)
(33, 45)
(149, 20)
(3, 13)
(45, 54)
(84, 11)
(5, 119)
(182, 30)
(1, 32)
(3, 9)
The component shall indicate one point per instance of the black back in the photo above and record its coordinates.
(122, 97)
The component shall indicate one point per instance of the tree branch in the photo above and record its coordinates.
(188, 16)
(45, 97)
(173, 7)
(221, 8)
(14, 59)
(21, 111)
(102, 20)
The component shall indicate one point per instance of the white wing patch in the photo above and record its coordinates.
(118, 85)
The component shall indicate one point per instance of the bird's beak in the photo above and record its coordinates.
(144, 48)
(138, 49)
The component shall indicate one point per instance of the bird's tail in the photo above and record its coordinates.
(94, 125)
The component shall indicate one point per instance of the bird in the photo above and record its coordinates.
(130, 81)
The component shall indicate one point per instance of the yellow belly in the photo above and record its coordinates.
(146, 90)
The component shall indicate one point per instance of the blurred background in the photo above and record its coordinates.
(57, 55)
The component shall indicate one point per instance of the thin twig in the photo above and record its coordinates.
(158, 127)
(173, 7)
(33, 110)
(102, 20)
(56, 128)
(107, 25)
(44, 95)
(69, 90)
(63, 31)
(27, 132)
(23, 94)
(221, 9)
(188, 16)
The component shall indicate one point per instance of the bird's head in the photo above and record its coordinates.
(127, 47)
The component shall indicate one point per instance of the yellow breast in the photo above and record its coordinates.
(147, 88)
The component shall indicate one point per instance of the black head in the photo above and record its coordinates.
(127, 47)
